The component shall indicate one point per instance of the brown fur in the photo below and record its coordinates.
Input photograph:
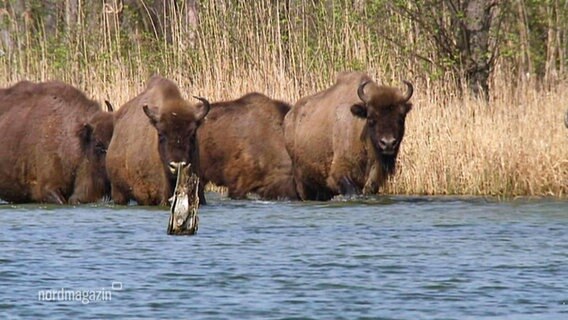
(242, 147)
(334, 137)
(53, 141)
(153, 129)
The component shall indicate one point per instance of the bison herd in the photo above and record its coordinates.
(58, 146)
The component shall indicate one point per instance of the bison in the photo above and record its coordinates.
(154, 133)
(345, 139)
(53, 142)
(242, 147)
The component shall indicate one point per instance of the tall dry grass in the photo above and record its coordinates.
(516, 145)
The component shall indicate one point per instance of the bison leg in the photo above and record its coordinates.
(118, 196)
(74, 200)
(303, 191)
(310, 192)
(47, 193)
(309, 189)
(54, 196)
(342, 183)
(201, 193)
(236, 193)
(348, 187)
(372, 185)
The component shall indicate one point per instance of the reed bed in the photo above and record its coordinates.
(513, 145)
(516, 145)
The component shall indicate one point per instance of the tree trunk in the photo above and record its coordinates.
(6, 27)
(525, 65)
(191, 22)
(185, 203)
(552, 51)
(476, 51)
(49, 14)
(71, 16)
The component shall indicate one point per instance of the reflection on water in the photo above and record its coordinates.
(392, 257)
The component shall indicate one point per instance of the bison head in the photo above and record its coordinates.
(384, 109)
(176, 123)
(91, 182)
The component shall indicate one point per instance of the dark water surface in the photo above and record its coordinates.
(394, 257)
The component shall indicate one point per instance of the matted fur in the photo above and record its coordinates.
(53, 141)
(242, 148)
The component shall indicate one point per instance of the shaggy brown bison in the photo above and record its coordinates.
(242, 147)
(153, 133)
(53, 142)
(345, 139)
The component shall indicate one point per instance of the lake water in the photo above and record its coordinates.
(388, 257)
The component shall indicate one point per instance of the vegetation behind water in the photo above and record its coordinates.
(507, 141)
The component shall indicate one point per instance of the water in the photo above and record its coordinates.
(392, 258)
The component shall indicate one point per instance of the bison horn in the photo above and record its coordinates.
(205, 110)
(109, 106)
(361, 91)
(409, 91)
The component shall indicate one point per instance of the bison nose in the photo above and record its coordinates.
(388, 144)
(174, 166)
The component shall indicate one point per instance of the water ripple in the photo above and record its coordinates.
(357, 258)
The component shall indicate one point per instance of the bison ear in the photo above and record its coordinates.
(152, 114)
(406, 107)
(359, 110)
(85, 132)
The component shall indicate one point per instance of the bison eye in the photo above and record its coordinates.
(372, 122)
(161, 137)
